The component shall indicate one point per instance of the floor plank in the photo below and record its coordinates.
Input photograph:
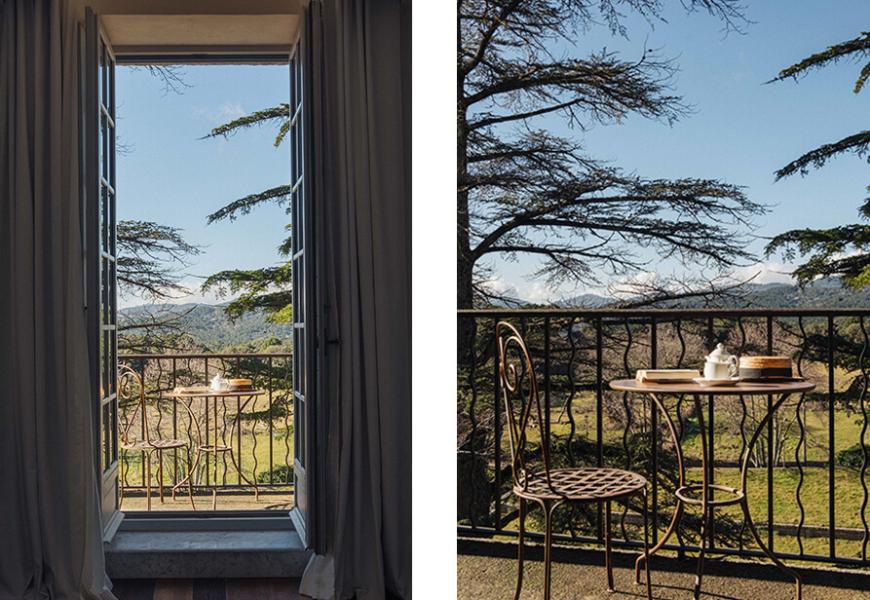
(286, 589)
(173, 589)
(244, 589)
(209, 589)
(133, 589)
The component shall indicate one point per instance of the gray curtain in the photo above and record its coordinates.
(360, 56)
(49, 513)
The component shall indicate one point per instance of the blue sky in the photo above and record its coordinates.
(175, 178)
(741, 130)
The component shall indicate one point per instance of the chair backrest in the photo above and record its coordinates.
(519, 390)
(131, 388)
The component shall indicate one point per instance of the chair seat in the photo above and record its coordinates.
(582, 484)
(167, 444)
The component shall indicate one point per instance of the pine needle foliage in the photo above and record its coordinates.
(150, 259)
(279, 114)
(523, 190)
(840, 251)
(267, 288)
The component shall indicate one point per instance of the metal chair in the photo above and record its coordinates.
(128, 382)
(550, 487)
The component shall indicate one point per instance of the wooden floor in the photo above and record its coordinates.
(270, 500)
(207, 589)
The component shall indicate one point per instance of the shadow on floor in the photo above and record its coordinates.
(487, 570)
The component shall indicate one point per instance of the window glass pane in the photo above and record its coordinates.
(111, 103)
(102, 369)
(104, 69)
(110, 155)
(101, 143)
(104, 219)
(106, 447)
(114, 431)
(104, 366)
(112, 210)
(105, 319)
(101, 69)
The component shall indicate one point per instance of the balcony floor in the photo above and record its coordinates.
(583, 577)
(135, 501)
(217, 589)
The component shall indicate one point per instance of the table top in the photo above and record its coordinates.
(741, 388)
(215, 394)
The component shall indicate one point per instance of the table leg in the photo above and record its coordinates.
(705, 507)
(214, 482)
(193, 423)
(237, 423)
(191, 466)
(744, 504)
(678, 509)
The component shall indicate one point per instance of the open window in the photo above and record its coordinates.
(100, 200)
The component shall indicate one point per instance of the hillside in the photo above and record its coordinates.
(820, 294)
(209, 326)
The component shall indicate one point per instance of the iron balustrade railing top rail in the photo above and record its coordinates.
(807, 487)
(221, 355)
(662, 312)
(263, 441)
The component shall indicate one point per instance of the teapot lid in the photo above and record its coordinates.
(718, 353)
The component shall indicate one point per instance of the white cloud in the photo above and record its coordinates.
(768, 272)
(195, 297)
(228, 111)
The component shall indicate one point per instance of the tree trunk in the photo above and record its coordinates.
(464, 261)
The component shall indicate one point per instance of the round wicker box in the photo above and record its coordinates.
(765, 367)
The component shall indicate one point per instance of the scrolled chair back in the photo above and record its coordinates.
(519, 389)
(132, 388)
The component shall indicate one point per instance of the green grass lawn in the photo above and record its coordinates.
(255, 453)
(814, 491)
(727, 415)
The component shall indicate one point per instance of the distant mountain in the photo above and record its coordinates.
(209, 325)
(825, 293)
(584, 301)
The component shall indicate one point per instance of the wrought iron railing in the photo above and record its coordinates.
(262, 443)
(807, 487)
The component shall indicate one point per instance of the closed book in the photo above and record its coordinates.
(666, 375)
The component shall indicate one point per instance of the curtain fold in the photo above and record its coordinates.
(359, 62)
(49, 500)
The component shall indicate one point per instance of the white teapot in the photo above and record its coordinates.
(720, 365)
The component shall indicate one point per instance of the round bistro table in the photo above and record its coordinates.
(218, 443)
(736, 495)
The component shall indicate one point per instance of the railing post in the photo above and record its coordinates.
(770, 537)
(497, 413)
(546, 423)
(174, 426)
(599, 411)
(654, 450)
(832, 539)
(271, 427)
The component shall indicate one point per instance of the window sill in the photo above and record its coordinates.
(161, 547)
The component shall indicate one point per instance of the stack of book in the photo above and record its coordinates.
(666, 375)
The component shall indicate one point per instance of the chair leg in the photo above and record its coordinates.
(608, 564)
(174, 473)
(520, 549)
(646, 544)
(121, 472)
(548, 545)
(190, 480)
(160, 473)
(148, 480)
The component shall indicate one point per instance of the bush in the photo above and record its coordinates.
(852, 457)
(280, 474)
